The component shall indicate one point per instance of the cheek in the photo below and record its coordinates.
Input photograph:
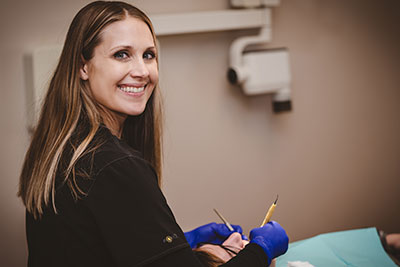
(107, 72)
(103, 81)
(153, 73)
(115, 73)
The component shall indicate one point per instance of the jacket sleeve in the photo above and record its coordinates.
(132, 215)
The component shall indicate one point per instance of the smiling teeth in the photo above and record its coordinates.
(131, 89)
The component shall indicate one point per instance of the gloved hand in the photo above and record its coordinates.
(272, 238)
(211, 233)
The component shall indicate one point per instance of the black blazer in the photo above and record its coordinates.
(121, 219)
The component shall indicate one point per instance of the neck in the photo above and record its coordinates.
(114, 122)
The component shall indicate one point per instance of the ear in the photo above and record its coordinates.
(83, 71)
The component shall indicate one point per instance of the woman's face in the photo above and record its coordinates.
(122, 73)
(234, 242)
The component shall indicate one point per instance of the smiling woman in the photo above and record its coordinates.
(122, 73)
(90, 179)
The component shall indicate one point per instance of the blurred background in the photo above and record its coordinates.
(334, 159)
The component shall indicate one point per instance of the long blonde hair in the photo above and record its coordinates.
(69, 103)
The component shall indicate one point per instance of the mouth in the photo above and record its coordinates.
(131, 89)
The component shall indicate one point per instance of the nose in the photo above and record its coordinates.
(234, 240)
(139, 69)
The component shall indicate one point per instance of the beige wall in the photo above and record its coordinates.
(333, 160)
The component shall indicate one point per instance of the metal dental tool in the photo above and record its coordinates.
(225, 221)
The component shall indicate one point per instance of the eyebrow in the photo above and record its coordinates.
(129, 47)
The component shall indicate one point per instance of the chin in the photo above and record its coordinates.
(136, 112)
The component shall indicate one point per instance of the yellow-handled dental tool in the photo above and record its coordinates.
(270, 212)
(225, 221)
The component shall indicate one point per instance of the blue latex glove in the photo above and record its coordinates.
(272, 238)
(215, 233)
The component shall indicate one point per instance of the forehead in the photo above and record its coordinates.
(130, 31)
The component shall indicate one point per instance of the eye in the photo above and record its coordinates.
(149, 55)
(121, 55)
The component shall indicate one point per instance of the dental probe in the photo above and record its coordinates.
(270, 211)
(225, 221)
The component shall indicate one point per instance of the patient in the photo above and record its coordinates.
(215, 255)
(393, 240)
(391, 243)
(212, 255)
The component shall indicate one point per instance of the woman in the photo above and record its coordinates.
(90, 180)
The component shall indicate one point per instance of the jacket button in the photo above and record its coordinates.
(168, 239)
